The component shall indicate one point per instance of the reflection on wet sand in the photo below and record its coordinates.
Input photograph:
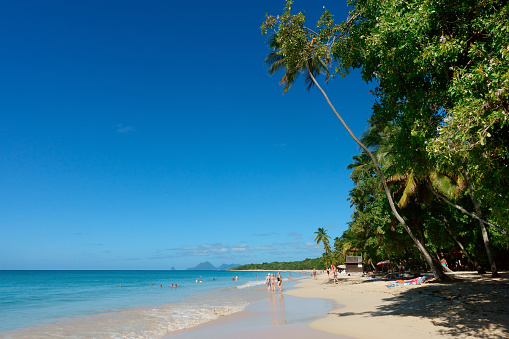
(277, 309)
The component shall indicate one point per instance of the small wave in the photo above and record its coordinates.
(252, 284)
(133, 323)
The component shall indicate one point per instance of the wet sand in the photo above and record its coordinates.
(470, 306)
(279, 315)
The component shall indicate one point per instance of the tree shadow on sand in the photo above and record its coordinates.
(476, 307)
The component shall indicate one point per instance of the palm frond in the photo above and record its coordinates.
(410, 189)
(275, 61)
(396, 178)
(448, 185)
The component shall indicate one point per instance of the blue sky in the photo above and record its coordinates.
(147, 134)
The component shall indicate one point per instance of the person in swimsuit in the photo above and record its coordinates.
(444, 263)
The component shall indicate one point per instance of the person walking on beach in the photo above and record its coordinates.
(279, 280)
(273, 282)
(314, 273)
(267, 281)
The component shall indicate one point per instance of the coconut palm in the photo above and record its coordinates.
(296, 49)
(323, 237)
(277, 62)
(425, 181)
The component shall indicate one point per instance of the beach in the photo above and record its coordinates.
(91, 304)
(279, 315)
(120, 304)
(470, 306)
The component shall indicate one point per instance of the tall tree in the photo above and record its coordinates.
(324, 238)
(299, 49)
(442, 74)
(487, 246)
(421, 180)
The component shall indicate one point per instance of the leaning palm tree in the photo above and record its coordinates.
(277, 61)
(298, 49)
(324, 238)
(434, 181)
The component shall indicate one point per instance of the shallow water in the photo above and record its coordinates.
(277, 315)
(91, 304)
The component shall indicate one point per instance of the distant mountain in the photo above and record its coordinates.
(209, 267)
(204, 266)
(227, 267)
(172, 268)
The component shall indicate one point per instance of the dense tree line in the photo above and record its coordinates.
(445, 230)
(433, 175)
(306, 264)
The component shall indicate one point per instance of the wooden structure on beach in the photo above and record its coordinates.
(354, 264)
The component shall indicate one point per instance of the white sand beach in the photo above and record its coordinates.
(471, 306)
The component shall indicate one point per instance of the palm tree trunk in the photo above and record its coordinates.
(419, 231)
(445, 268)
(436, 268)
(484, 232)
(458, 207)
(471, 260)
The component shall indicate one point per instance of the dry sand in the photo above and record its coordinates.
(472, 306)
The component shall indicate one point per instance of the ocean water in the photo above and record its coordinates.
(120, 304)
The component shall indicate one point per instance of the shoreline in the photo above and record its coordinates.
(277, 314)
(134, 304)
(472, 305)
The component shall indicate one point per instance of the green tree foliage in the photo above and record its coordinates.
(300, 49)
(324, 238)
(442, 76)
(441, 73)
(443, 229)
(306, 264)
(372, 229)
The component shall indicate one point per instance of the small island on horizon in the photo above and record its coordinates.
(207, 266)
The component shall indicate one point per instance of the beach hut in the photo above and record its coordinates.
(354, 264)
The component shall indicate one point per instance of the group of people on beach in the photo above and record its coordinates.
(335, 272)
(272, 279)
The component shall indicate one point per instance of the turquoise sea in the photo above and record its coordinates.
(120, 304)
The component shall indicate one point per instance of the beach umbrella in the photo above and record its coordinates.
(341, 266)
(385, 262)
